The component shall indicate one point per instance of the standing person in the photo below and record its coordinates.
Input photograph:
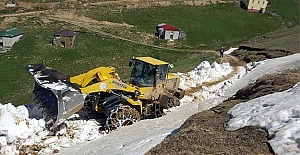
(221, 52)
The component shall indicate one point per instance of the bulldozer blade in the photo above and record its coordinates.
(57, 97)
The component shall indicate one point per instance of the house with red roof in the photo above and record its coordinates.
(168, 32)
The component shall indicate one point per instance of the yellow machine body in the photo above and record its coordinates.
(151, 88)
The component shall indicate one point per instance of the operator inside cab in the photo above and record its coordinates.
(143, 74)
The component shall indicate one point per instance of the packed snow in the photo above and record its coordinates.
(204, 72)
(230, 50)
(278, 113)
(23, 127)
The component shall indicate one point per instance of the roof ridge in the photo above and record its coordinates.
(11, 32)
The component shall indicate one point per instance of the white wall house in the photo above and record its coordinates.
(11, 4)
(9, 37)
(254, 5)
(168, 32)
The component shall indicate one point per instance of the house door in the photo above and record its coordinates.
(171, 36)
(63, 44)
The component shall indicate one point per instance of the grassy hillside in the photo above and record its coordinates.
(207, 27)
(287, 11)
(287, 39)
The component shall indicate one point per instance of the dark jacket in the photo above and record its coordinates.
(222, 50)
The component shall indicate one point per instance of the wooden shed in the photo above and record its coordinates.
(9, 37)
(168, 32)
(254, 5)
(64, 38)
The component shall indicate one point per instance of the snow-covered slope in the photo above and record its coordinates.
(278, 113)
(21, 126)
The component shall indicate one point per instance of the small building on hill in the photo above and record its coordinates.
(168, 32)
(11, 4)
(64, 38)
(9, 37)
(254, 5)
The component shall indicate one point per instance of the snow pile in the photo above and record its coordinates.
(277, 113)
(15, 126)
(205, 73)
(20, 131)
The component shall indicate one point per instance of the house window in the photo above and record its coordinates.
(258, 2)
(263, 2)
(252, 1)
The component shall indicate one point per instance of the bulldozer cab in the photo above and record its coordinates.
(147, 71)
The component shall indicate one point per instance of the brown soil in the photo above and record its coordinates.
(204, 133)
(151, 3)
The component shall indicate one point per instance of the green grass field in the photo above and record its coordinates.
(207, 27)
(288, 10)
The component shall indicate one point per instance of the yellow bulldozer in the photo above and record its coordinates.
(150, 90)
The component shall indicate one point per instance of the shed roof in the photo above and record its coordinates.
(168, 27)
(11, 32)
(65, 32)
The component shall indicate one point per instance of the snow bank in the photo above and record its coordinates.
(206, 72)
(15, 125)
(22, 127)
(277, 113)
